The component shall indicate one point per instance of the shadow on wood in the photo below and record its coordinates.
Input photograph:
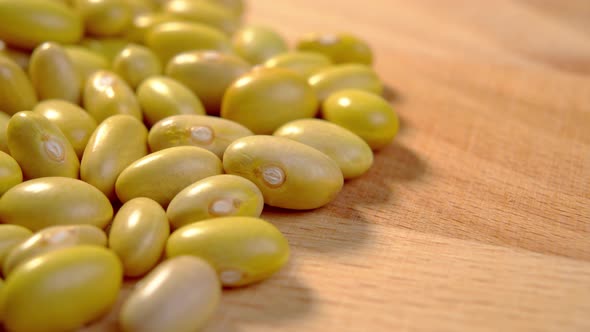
(269, 303)
(392, 95)
(393, 164)
(345, 223)
(336, 226)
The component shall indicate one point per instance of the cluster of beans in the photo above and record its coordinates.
(142, 139)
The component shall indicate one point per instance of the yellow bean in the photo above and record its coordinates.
(62, 290)
(135, 63)
(216, 196)
(107, 94)
(44, 202)
(86, 62)
(179, 295)
(10, 172)
(10, 237)
(171, 38)
(161, 97)
(207, 132)
(51, 239)
(101, 163)
(163, 174)
(104, 18)
(4, 118)
(53, 74)
(138, 235)
(40, 147)
(28, 23)
(74, 122)
(16, 91)
(243, 250)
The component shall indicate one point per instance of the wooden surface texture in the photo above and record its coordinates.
(477, 218)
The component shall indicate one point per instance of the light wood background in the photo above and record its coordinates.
(477, 218)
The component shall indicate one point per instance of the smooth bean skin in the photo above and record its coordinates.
(369, 116)
(85, 62)
(1, 297)
(183, 291)
(28, 23)
(21, 58)
(208, 74)
(62, 290)
(10, 172)
(141, 7)
(141, 24)
(105, 47)
(53, 74)
(101, 163)
(342, 77)
(243, 250)
(16, 90)
(10, 237)
(222, 195)
(257, 44)
(352, 154)
(136, 63)
(51, 239)
(45, 202)
(104, 18)
(138, 235)
(205, 12)
(207, 132)
(340, 48)
(290, 174)
(163, 174)
(265, 99)
(73, 121)
(171, 38)
(303, 63)
(106, 94)
(236, 6)
(4, 118)
(40, 148)
(161, 97)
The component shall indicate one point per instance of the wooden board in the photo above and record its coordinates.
(478, 217)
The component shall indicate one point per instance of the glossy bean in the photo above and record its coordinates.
(163, 174)
(101, 163)
(184, 291)
(243, 250)
(216, 196)
(290, 174)
(40, 147)
(207, 132)
(73, 121)
(62, 290)
(208, 74)
(161, 97)
(53, 74)
(138, 235)
(45, 202)
(106, 94)
(51, 239)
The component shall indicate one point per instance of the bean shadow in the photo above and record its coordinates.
(392, 165)
(110, 321)
(281, 298)
(337, 226)
(392, 95)
(345, 223)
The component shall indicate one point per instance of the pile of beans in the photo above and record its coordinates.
(142, 139)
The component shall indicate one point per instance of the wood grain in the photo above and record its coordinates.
(478, 217)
